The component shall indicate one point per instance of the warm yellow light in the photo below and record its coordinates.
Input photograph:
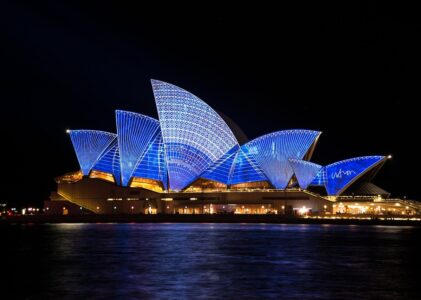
(67, 131)
(303, 210)
(102, 175)
(148, 184)
(389, 156)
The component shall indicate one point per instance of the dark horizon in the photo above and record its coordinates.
(349, 71)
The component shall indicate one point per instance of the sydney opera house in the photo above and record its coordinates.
(194, 160)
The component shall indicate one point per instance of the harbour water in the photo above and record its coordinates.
(210, 261)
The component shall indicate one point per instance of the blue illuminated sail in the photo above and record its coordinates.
(152, 165)
(109, 162)
(221, 170)
(304, 171)
(343, 173)
(245, 169)
(194, 135)
(89, 145)
(320, 179)
(135, 134)
(192, 141)
(272, 152)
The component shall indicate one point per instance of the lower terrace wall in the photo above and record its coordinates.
(103, 197)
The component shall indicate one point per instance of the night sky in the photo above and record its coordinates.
(350, 71)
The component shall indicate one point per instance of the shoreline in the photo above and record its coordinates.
(270, 219)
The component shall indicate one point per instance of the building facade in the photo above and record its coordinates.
(195, 160)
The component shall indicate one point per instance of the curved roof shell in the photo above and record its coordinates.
(273, 151)
(89, 145)
(194, 135)
(191, 141)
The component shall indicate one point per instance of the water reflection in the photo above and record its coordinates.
(211, 261)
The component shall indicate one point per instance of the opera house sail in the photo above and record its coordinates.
(191, 152)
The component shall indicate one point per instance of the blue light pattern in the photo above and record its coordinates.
(343, 173)
(222, 168)
(89, 145)
(273, 150)
(305, 171)
(195, 136)
(135, 133)
(246, 169)
(109, 162)
(152, 165)
(321, 178)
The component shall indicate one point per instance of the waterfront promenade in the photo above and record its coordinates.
(215, 218)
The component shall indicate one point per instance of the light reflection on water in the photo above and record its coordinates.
(211, 261)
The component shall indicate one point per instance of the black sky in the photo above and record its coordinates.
(349, 70)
